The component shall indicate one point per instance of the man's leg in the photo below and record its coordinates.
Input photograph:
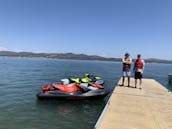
(128, 74)
(135, 83)
(140, 77)
(123, 79)
(128, 81)
(140, 83)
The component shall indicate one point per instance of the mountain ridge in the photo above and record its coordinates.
(73, 56)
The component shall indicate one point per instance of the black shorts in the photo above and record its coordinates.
(138, 75)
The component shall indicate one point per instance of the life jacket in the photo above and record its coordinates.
(69, 88)
(139, 64)
(126, 67)
(46, 88)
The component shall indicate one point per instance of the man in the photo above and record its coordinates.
(138, 70)
(127, 61)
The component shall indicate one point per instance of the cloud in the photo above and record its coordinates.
(3, 49)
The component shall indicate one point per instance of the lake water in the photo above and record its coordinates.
(22, 78)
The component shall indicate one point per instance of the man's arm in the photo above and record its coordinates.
(143, 66)
(123, 60)
(130, 60)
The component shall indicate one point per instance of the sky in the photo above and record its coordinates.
(108, 28)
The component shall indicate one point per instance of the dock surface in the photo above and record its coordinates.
(132, 108)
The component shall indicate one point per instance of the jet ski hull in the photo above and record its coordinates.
(59, 95)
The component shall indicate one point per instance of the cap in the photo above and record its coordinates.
(127, 54)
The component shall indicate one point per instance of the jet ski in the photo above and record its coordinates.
(72, 92)
(86, 79)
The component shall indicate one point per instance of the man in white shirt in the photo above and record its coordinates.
(138, 70)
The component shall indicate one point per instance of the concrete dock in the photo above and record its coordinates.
(131, 108)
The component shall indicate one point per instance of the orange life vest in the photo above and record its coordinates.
(139, 64)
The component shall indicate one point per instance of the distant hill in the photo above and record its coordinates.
(72, 56)
(154, 60)
(57, 56)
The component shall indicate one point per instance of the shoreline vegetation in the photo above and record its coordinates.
(72, 56)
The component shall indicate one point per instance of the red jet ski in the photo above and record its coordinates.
(72, 92)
